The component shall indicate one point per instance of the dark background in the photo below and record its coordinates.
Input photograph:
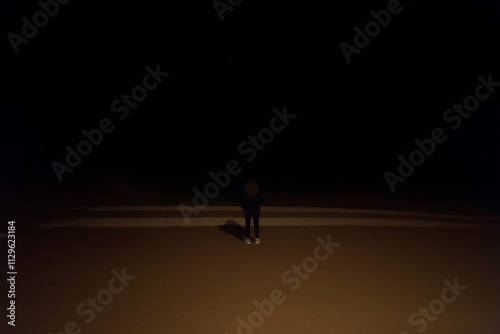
(226, 77)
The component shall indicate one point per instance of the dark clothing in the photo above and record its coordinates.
(249, 214)
(251, 210)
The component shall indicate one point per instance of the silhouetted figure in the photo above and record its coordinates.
(251, 200)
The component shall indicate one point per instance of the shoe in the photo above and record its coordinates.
(247, 241)
(257, 241)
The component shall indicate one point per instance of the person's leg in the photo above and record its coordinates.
(256, 218)
(248, 216)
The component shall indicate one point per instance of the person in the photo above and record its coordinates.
(251, 201)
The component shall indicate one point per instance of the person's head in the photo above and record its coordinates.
(251, 188)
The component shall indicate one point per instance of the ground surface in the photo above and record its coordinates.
(202, 279)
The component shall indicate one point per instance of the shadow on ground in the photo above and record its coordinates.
(233, 228)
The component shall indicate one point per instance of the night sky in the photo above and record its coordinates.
(225, 78)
